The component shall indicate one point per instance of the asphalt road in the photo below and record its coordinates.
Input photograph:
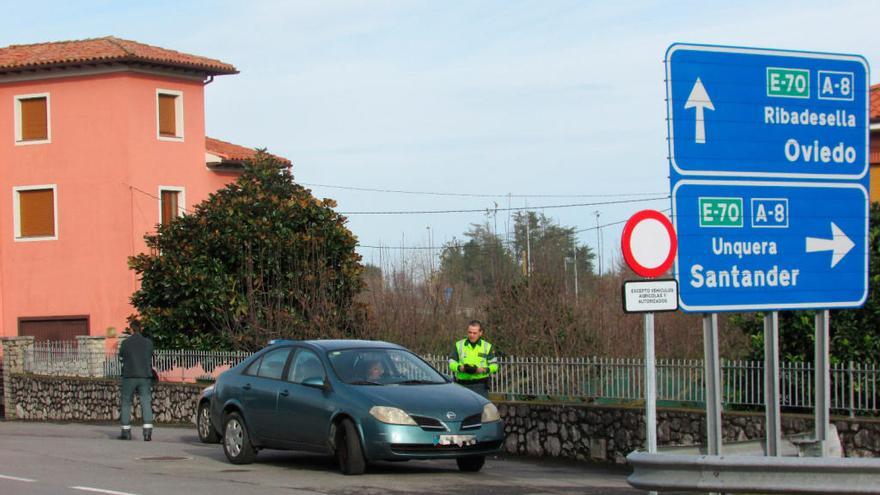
(42, 458)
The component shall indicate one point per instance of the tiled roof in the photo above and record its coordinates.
(233, 153)
(875, 102)
(109, 49)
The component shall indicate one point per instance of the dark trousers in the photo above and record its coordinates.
(479, 386)
(143, 386)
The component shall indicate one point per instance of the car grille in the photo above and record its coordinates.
(472, 422)
(425, 448)
(429, 424)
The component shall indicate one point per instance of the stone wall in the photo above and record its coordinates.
(2, 390)
(610, 433)
(13, 362)
(584, 432)
(49, 398)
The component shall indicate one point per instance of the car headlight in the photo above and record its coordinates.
(490, 413)
(392, 415)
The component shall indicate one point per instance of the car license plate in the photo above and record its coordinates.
(460, 440)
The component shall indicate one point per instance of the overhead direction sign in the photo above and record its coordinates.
(737, 112)
(769, 177)
(761, 245)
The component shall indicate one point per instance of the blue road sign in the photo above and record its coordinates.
(762, 245)
(736, 112)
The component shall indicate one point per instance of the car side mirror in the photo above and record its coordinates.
(317, 382)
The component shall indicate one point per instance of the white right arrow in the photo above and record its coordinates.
(839, 244)
(699, 99)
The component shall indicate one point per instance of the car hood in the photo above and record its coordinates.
(427, 400)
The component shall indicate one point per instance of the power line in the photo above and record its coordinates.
(519, 208)
(587, 229)
(478, 195)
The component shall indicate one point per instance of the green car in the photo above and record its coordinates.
(361, 401)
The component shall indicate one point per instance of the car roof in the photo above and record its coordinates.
(339, 344)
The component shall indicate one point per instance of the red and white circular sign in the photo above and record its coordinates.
(649, 243)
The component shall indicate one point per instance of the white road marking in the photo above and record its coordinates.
(13, 478)
(100, 490)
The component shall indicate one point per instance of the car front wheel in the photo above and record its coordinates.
(348, 449)
(471, 464)
(236, 442)
(207, 433)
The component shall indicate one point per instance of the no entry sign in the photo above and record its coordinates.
(649, 243)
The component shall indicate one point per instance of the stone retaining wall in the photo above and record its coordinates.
(49, 398)
(585, 432)
(610, 433)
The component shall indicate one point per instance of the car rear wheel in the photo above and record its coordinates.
(207, 433)
(348, 449)
(471, 464)
(236, 442)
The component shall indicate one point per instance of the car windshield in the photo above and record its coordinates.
(382, 367)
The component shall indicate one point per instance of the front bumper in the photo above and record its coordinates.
(395, 442)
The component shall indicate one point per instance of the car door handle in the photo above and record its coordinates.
(247, 386)
(284, 393)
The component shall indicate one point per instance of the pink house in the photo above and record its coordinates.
(100, 140)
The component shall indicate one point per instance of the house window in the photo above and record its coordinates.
(36, 213)
(169, 115)
(32, 119)
(171, 203)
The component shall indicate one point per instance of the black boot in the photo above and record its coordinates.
(125, 434)
(148, 434)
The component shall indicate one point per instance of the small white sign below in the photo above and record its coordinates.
(642, 296)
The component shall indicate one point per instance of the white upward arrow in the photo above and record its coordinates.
(839, 244)
(699, 99)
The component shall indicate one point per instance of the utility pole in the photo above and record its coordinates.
(598, 242)
(575, 273)
(528, 244)
(507, 228)
(431, 247)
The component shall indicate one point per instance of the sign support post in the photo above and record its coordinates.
(823, 382)
(713, 384)
(650, 385)
(772, 422)
(649, 244)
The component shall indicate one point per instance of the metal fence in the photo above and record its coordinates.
(68, 359)
(854, 386)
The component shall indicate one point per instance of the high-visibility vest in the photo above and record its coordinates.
(476, 356)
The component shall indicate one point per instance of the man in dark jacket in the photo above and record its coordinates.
(136, 353)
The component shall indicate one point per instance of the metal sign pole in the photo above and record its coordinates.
(713, 383)
(823, 382)
(771, 383)
(650, 388)
(650, 385)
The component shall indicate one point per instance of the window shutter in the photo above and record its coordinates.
(167, 115)
(34, 119)
(37, 212)
(169, 206)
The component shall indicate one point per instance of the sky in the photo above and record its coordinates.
(560, 101)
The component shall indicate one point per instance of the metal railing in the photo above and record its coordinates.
(68, 359)
(854, 386)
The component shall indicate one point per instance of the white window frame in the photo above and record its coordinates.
(178, 115)
(16, 212)
(17, 116)
(181, 200)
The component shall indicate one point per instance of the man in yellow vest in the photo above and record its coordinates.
(473, 360)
